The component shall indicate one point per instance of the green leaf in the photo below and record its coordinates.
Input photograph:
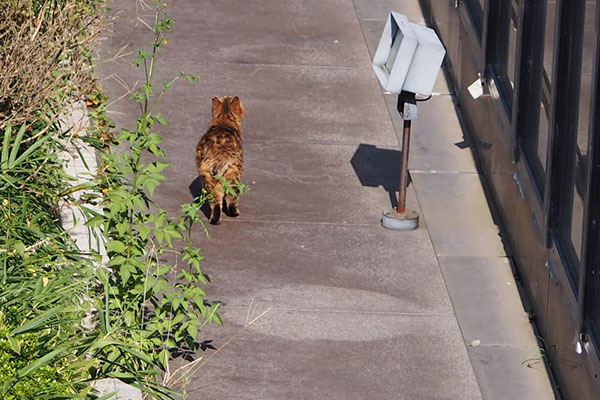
(148, 90)
(151, 184)
(122, 227)
(160, 166)
(163, 270)
(107, 396)
(218, 319)
(38, 363)
(190, 78)
(16, 145)
(193, 331)
(114, 355)
(20, 248)
(126, 377)
(31, 149)
(200, 304)
(176, 303)
(160, 219)
(14, 344)
(160, 285)
(115, 261)
(138, 97)
(125, 273)
(164, 358)
(141, 56)
(115, 246)
(156, 391)
(154, 139)
(161, 120)
(39, 287)
(126, 134)
(129, 317)
(180, 335)
(144, 231)
(213, 315)
(159, 235)
(178, 318)
(7, 385)
(37, 323)
(5, 144)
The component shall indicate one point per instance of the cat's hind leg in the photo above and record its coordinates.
(232, 205)
(215, 195)
(216, 202)
(232, 208)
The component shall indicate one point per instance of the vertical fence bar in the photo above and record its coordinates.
(528, 83)
(590, 259)
(566, 75)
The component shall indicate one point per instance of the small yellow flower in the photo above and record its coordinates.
(165, 41)
(4, 203)
(105, 190)
(204, 191)
(45, 280)
(164, 4)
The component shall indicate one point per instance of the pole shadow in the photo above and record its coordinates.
(376, 167)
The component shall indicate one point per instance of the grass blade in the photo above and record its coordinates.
(31, 149)
(40, 362)
(5, 143)
(108, 396)
(37, 322)
(16, 145)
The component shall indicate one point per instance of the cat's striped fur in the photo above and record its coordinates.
(219, 153)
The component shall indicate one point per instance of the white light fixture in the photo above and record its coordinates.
(408, 56)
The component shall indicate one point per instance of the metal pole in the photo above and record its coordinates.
(404, 168)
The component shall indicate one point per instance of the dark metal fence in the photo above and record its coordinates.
(536, 138)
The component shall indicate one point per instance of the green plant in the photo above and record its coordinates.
(43, 276)
(148, 301)
(152, 304)
(33, 362)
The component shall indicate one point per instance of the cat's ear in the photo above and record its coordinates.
(217, 106)
(236, 106)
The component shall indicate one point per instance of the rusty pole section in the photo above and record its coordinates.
(404, 168)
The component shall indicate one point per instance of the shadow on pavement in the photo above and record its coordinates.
(196, 190)
(376, 167)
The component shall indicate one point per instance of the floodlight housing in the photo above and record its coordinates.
(408, 56)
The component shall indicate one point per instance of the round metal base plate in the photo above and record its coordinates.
(400, 222)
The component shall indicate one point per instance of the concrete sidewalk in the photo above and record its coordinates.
(321, 302)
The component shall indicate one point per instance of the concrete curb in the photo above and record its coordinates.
(80, 163)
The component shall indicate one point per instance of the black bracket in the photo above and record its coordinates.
(405, 97)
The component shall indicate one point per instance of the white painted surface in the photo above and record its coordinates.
(407, 58)
(80, 163)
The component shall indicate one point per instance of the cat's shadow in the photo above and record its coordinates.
(196, 190)
(376, 167)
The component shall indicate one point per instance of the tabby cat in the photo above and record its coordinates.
(219, 154)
